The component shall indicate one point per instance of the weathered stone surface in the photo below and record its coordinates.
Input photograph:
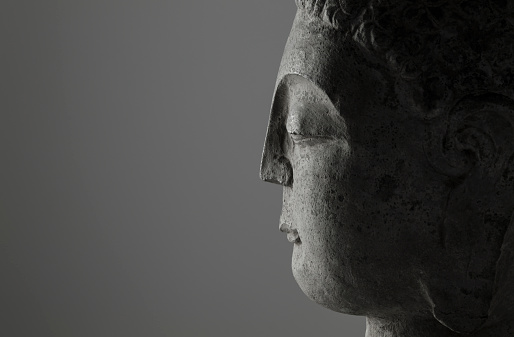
(392, 132)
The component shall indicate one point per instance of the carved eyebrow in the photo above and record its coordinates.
(314, 120)
(310, 112)
(329, 11)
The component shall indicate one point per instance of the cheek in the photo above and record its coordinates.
(350, 213)
(318, 186)
(340, 259)
(365, 223)
(332, 197)
(319, 265)
(319, 202)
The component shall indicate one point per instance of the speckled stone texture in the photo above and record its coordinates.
(392, 133)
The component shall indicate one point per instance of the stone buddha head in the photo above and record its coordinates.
(392, 134)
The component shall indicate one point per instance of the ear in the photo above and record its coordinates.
(462, 139)
(472, 145)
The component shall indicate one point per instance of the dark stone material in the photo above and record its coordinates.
(392, 133)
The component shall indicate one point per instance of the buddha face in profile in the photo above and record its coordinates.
(391, 132)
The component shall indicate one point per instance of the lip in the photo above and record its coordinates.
(292, 234)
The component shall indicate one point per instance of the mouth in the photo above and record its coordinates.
(292, 234)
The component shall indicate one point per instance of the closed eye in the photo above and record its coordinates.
(309, 139)
(311, 116)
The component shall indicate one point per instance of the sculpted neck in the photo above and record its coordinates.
(376, 327)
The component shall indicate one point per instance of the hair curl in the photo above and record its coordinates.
(442, 47)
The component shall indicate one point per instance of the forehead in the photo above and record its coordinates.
(314, 51)
(331, 61)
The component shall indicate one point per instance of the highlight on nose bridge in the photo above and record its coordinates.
(275, 167)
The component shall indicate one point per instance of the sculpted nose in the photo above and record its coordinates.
(275, 167)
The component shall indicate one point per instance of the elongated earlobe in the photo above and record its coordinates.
(502, 308)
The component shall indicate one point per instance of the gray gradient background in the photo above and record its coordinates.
(130, 204)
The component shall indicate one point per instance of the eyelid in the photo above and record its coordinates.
(298, 138)
(310, 114)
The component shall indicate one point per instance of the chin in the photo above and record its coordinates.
(325, 289)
